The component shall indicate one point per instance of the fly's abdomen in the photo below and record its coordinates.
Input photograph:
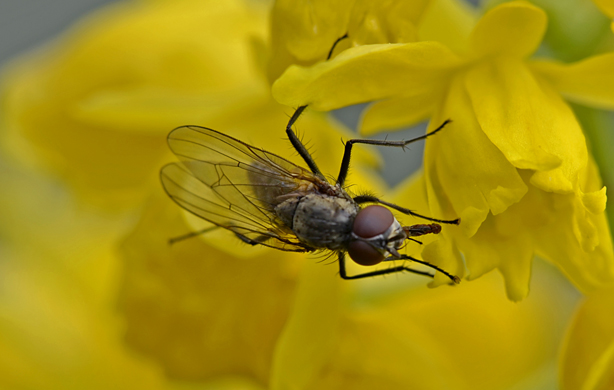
(320, 221)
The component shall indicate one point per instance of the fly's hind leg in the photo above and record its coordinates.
(255, 241)
(191, 234)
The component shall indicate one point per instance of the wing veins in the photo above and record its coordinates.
(247, 217)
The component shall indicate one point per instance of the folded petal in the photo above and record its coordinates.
(589, 82)
(474, 174)
(589, 261)
(367, 73)
(531, 125)
(437, 249)
(512, 29)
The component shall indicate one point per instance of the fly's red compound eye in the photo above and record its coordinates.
(370, 222)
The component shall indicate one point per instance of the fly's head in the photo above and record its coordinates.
(376, 234)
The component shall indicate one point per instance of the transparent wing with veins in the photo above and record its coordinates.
(233, 185)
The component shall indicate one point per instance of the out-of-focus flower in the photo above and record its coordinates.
(513, 164)
(449, 338)
(587, 360)
(96, 106)
(197, 311)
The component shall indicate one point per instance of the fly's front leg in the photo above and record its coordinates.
(298, 145)
(344, 275)
(345, 163)
(455, 279)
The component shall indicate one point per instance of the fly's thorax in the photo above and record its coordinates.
(319, 220)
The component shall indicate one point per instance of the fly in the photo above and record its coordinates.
(264, 199)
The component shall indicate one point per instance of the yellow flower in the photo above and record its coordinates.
(513, 164)
(587, 360)
(96, 106)
(302, 32)
(78, 312)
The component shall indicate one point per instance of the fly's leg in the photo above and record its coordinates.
(392, 270)
(191, 234)
(372, 199)
(330, 52)
(455, 279)
(256, 241)
(345, 163)
(296, 143)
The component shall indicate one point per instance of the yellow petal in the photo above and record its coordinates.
(385, 22)
(303, 32)
(309, 28)
(529, 123)
(311, 329)
(366, 73)
(588, 82)
(588, 355)
(449, 22)
(513, 29)
(578, 242)
(443, 253)
(396, 113)
(474, 174)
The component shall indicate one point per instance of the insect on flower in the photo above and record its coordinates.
(267, 200)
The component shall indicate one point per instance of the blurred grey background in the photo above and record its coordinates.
(25, 24)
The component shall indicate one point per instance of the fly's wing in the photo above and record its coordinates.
(232, 185)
